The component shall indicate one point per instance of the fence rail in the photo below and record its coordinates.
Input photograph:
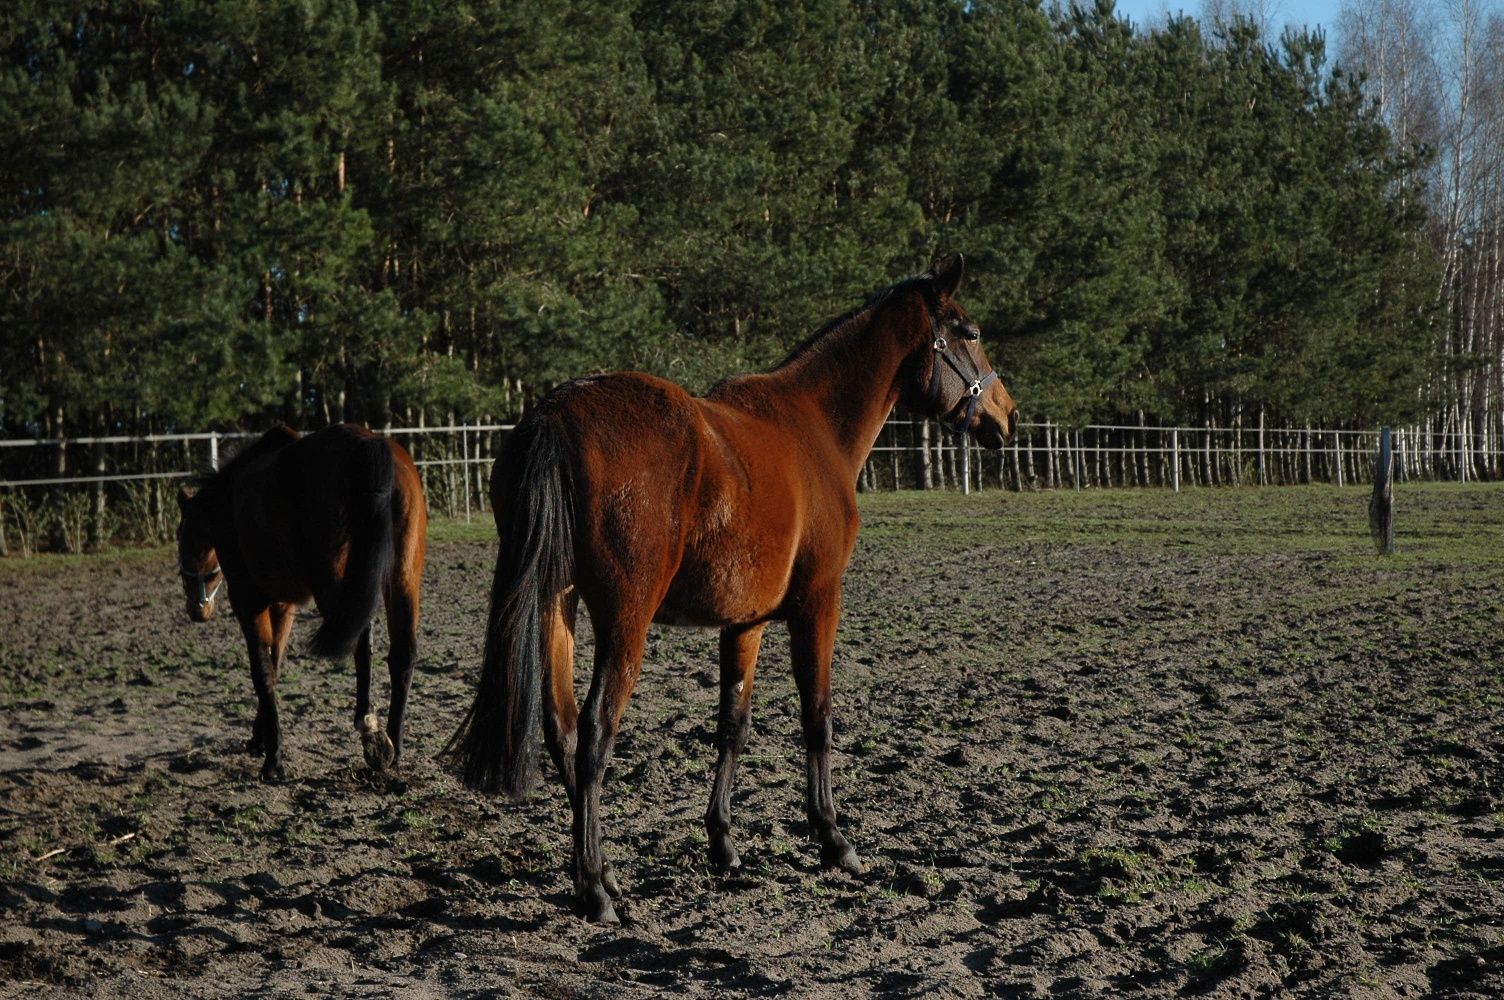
(1053, 456)
(73, 492)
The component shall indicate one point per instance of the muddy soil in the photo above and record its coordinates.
(1118, 743)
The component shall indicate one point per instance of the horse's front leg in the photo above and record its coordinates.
(739, 648)
(266, 735)
(812, 639)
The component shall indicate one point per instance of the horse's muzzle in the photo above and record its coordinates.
(992, 433)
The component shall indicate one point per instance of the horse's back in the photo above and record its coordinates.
(692, 504)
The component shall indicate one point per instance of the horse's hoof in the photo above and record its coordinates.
(272, 774)
(379, 752)
(842, 856)
(595, 906)
(723, 856)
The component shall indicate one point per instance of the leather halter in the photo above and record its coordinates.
(205, 596)
(976, 382)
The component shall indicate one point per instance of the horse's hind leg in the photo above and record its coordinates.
(812, 638)
(561, 713)
(282, 617)
(362, 677)
(738, 662)
(375, 745)
(618, 660)
(402, 630)
(403, 597)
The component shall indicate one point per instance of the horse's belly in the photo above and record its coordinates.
(730, 589)
(710, 614)
(277, 580)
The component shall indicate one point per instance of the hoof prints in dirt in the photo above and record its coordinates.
(1240, 766)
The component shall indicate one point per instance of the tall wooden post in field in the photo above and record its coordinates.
(1381, 504)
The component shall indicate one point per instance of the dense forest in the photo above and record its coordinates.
(216, 213)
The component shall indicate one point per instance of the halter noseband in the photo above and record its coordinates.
(205, 596)
(976, 382)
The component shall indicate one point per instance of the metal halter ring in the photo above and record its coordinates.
(940, 344)
(975, 388)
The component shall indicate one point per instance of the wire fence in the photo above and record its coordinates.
(74, 493)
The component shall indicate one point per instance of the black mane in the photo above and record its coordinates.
(922, 282)
(273, 440)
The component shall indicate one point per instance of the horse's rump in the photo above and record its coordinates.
(347, 477)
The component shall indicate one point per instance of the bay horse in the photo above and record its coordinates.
(337, 517)
(725, 511)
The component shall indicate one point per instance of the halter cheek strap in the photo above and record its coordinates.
(204, 594)
(976, 382)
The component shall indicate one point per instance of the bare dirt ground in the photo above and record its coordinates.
(1088, 744)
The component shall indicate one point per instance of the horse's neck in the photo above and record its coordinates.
(217, 503)
(851, 377)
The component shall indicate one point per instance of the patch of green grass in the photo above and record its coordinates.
(1125, 875)
(417, 821)
(1114, 862)
(51, 564)
(480, 528)
(1435, 522)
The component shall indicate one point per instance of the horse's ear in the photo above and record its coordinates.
(947, 272)
(183, 497)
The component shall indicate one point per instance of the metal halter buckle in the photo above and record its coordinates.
(975, 388)
(940, 344)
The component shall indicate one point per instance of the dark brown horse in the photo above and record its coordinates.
(727, 511)
(338, 517)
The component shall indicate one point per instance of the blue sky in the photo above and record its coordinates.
(1300, 12)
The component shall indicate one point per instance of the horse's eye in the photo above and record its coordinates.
(963, 329)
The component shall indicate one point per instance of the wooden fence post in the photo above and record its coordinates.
(1175, 465)
(465, 467)
(923, 472)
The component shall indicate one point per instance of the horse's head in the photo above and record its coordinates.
(953, 381)
(198, 563)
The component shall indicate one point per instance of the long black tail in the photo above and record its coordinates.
(497, 745)
(356, 598)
